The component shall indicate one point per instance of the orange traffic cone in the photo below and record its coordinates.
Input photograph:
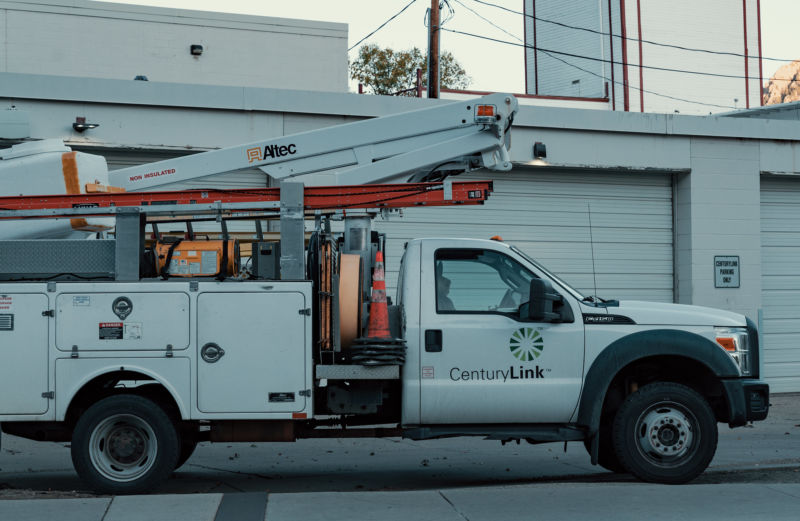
(378, 310)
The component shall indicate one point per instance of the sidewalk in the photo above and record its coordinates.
(598, 502)
(732, 489)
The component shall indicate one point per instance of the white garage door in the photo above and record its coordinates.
(780, 282)
(546, 214)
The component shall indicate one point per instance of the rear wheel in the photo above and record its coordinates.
(124, 444)
(665, 433)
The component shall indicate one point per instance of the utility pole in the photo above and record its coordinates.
(433, 50)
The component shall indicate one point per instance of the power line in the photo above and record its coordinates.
(651, 42)
(398, 13)
(476, 13)
(592, 58)
(646, 91)
(591, 72)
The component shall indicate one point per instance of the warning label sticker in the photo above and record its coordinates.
(133, 330)
(111, 330)
(120, 331)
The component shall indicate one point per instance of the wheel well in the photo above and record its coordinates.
(120, 382)
(668, 368)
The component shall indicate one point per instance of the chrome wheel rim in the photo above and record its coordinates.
(123, 447)
(666, 434)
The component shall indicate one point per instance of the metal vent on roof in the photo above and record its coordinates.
(6, 322)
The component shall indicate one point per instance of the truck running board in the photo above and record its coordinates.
(532, 432)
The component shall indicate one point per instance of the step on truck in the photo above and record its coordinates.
(138, 344)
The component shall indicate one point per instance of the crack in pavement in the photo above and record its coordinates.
(108, 507)
(239, 472)
(782, 492)
(459, 512)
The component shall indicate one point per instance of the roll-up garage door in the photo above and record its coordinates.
(780, 282)
(547, 215)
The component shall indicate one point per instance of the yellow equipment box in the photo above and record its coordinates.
(198, 258)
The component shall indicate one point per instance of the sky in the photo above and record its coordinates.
(492, 66)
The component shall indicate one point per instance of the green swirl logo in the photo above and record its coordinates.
(526, 344)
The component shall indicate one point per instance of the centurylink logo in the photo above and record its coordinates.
(526, 344)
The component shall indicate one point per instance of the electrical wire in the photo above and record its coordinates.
(476, 13)
(381, 26)
(675, 98)
(651, 42)
(612, 62)
(646, 91)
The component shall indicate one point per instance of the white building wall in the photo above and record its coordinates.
(117, 41)
(561, 75)
(713, 25)
(718, 213)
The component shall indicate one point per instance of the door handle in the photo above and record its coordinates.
(211, 352)
(433, 340)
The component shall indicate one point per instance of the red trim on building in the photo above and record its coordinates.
(760, 69)
(530, 96)
(746, 57)
(624, 55)
(641, 64)
(525, 39)
(611, 42)
(535, 51)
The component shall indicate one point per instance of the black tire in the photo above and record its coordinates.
(124, 444)
(665, 433)
(188, 445)
(606, 454)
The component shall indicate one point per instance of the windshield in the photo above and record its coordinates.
(549, 274)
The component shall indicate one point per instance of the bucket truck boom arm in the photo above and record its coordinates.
(404, 147)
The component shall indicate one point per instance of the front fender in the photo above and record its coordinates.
(637, 346)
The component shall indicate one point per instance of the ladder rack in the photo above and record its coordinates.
(445, 193)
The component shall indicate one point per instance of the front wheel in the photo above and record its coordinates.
(665, 433)
(124, 444)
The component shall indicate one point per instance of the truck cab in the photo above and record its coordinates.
(500, 346)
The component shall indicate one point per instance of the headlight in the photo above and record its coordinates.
(734, 340)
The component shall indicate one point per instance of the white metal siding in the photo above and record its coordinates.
(780, 282)
(546, 214)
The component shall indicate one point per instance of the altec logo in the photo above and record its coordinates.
(271, 151)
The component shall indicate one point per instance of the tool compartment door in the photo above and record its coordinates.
(251, 352)
(23, 347)
(122, 317)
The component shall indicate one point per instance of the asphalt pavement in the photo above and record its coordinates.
(754, 475)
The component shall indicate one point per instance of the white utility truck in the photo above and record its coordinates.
(138, 347)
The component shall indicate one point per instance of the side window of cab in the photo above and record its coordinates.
(480, 281)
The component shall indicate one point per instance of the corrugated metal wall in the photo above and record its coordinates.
(780, 282)
(546, 214)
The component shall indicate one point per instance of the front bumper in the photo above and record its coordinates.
(748, 400)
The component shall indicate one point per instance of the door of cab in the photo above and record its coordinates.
(479, 361)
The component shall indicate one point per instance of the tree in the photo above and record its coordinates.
(386, 71)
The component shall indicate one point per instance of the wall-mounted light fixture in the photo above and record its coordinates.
(140, 77)
(80, 125)
(539, 150)
(196, 49)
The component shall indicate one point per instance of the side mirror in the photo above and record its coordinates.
(540, 305)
